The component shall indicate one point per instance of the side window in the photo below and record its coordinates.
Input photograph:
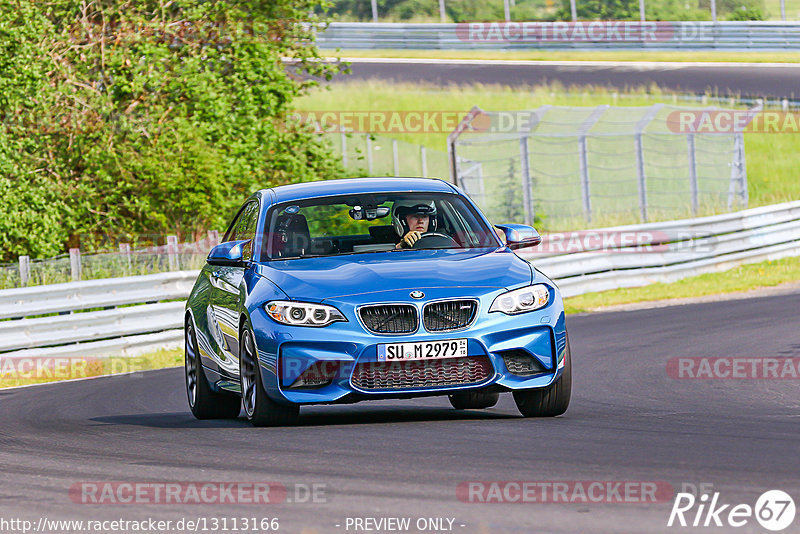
(245, 228)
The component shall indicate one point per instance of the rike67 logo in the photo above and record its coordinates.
(774, 510)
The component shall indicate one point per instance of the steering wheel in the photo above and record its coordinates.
(435, 240)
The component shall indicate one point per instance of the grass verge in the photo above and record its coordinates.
(582, 55)
(742, 278)
(25, 372)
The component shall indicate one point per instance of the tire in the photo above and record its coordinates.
(203, 401)
(259, 408)
(550, 401)
(475, 400)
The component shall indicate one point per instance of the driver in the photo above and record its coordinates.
(411, 219)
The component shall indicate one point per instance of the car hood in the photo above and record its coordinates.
(317, 279)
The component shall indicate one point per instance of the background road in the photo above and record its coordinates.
(757, 80)
(628, 421)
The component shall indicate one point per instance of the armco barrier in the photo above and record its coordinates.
(668, 251)
(117, 316)
(129, 316)
(582, 35)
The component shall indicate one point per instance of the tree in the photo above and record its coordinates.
(508, 205)
(124, 118)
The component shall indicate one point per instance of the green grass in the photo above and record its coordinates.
(384, 96)
(742, 278)
(76, 368)
(582, 55)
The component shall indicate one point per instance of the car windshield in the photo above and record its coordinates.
(359, 224)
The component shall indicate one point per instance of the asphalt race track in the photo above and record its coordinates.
(757, 80)
(629, 421)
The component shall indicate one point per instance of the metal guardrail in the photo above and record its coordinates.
(595, 35)
(582, 262)
(97, 317)
(117, 316)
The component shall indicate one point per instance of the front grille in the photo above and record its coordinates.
(448, 315)
(521, 363)
(422, 373)
(390, 318)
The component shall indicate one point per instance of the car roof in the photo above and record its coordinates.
(350, 186)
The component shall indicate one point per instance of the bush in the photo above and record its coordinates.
(746, 13)
(123, 118)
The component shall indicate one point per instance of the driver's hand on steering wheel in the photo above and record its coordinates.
(409, 239)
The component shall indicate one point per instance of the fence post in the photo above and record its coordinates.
(640, 174)
(75, 263)
(443, 18)
(573, 10)
(584, 167)
(172, 252)
(125, 250)
(24, 270)
(641, 11)
(583, 130)
(452, 138)
(527, 187)
(640, 178)
(395, 158)
(213, 238)
(344, 146)
(714, 12)
(506, 10)
(369, 153)
(738, 173)
(743, 171)
(374, 10)
(693, 186)
(423, 154)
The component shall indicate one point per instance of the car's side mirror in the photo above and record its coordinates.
(519, 235)
(229, 254)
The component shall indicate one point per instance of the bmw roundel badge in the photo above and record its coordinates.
(417, 294)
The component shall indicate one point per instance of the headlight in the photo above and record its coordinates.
(303, 313)
(521, 300)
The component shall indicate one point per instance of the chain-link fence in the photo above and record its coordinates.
(374, 155)
(173, 256)
(572, 166)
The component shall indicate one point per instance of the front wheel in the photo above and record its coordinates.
(550, 401)
(204, 402)
(476, 400)
(259, 408)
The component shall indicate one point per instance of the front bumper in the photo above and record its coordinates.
(285, 352)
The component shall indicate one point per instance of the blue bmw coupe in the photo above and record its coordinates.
(374, 288)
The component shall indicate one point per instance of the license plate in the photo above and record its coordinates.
(425, 350)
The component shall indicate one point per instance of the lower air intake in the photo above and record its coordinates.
(422, 374)
(521, 363)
